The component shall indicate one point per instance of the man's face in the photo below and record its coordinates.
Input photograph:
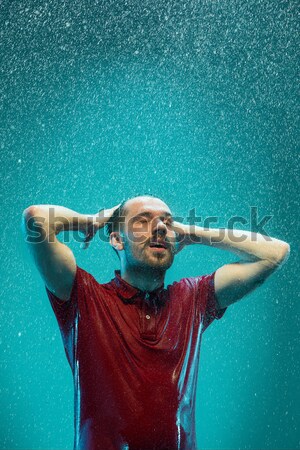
(148, 222)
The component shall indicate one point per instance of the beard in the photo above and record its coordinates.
(143, 257)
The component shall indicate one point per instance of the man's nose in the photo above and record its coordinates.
(160, 227)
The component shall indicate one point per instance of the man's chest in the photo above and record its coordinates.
(139, 343)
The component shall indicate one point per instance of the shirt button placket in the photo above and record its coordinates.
(147, 296)
(149, 319)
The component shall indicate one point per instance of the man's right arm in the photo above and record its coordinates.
(54, 260)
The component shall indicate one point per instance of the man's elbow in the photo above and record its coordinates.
(32, 221)
(283, 253)
(31, 211)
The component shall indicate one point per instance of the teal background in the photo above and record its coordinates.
(196, 103)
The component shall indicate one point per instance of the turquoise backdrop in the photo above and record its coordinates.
(195, 102)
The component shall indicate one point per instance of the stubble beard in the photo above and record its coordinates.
(143, 259)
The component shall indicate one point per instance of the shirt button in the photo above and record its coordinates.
(147, 316)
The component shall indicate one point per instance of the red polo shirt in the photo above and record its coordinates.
(134, 357)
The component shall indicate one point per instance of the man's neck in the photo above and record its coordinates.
(143, 279)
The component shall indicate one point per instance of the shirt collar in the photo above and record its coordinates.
(131, 294)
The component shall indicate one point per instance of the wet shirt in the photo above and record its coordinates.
(134, 356)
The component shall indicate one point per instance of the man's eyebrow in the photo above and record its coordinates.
(149, 214)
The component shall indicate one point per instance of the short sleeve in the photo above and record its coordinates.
(207, 300)
(65, 310)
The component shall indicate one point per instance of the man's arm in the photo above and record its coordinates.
(261, 256)
(54, 260)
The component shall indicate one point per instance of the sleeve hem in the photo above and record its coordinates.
(219, 311)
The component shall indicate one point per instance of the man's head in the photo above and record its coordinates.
(134, 229)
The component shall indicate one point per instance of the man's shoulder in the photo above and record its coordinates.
(89, 278)
(85, 277)
(193, 281)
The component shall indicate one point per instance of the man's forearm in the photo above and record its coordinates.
(54, 218)
(246, 244)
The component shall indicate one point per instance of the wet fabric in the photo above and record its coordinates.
(134, 356)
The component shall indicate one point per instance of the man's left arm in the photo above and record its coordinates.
(260, 257)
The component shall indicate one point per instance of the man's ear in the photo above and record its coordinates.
(116, 240)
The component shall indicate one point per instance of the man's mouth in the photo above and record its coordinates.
(158, 245)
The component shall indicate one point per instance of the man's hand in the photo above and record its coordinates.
(181, 236)
(97, 222)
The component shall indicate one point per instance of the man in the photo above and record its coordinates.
(133, 343)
